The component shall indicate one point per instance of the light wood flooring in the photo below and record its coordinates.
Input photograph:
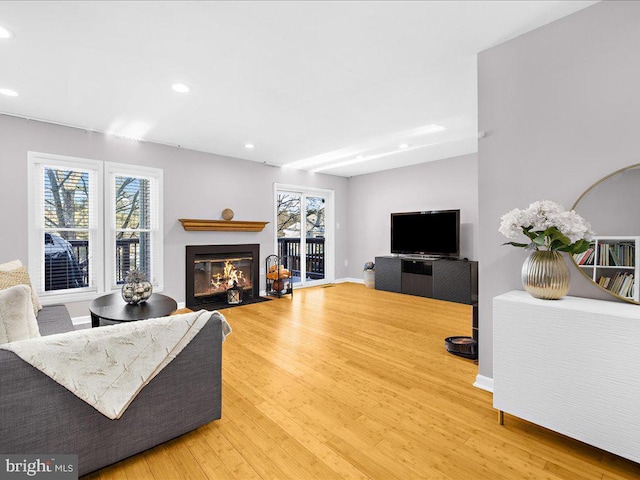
(345, 382)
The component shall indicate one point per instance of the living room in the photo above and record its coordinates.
(556, 108)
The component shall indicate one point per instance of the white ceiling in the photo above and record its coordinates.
(327, 81)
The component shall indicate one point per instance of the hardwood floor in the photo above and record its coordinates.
(345, 382)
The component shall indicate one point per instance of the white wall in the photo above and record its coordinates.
(196, 185)
(441, 185)
(559, 106)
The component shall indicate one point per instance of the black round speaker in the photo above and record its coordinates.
(465, 347)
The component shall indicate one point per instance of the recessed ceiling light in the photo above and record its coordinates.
(4, 33)
(180, 88)
(403, 145)
(249, 146)
(8, 92)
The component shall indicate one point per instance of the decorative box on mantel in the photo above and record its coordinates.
(191, 224)
(570, 365)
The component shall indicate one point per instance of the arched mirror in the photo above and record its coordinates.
(612, 206)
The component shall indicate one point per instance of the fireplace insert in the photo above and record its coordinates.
(213, 269)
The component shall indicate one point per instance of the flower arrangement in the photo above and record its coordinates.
(369, 266)
(548, 226)
(135, 276)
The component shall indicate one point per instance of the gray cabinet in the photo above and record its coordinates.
(455, 281)
(417, 278)
(389, 274)
(450, 280)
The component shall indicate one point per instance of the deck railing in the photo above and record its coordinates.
(289, 252)
(127, 257)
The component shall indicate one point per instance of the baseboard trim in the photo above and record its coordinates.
(79, 321)
(484, 383)
(349, 280)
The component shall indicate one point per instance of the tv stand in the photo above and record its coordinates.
(441, 279)
(420, 257)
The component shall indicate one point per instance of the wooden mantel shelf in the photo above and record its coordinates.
(221, 225)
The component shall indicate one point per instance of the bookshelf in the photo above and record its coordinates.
(612, 263)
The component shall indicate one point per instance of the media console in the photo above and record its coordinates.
(441, 279)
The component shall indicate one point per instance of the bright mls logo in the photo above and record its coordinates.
(53, 467)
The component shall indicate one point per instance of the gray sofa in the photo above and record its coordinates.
(37, 415)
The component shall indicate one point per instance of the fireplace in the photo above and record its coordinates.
(212, 269)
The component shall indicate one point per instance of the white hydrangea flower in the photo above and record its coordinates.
(574, 226)
(511, 226)
(542, 215)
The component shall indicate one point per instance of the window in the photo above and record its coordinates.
(90, 223)
(133, 209)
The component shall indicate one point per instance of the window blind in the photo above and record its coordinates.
(134, 218)
(66, 216)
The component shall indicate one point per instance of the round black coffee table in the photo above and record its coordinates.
(113, 309)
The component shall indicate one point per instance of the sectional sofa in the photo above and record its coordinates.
(37, 415)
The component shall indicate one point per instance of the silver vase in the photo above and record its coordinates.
(136, 292)
(545, 275)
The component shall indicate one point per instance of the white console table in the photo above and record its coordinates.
(570, 365)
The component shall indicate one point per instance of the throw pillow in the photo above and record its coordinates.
(12, 265)
(17, 320)
(20, 276)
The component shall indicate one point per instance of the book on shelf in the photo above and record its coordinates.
(603, 257)
(585, 258)
(621, 283)
(617, 283)
(613, 256)
(623, 254)
(628, 254)
(604, 281)
(588, 260)
(626, 289)
(617, 254)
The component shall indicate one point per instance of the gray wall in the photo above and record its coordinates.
(444, 184)
(196, 185)
(559, 106)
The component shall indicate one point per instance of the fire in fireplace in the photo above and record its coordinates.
(213, 276)
(212, 269)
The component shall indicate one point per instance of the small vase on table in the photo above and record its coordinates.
(136, 288)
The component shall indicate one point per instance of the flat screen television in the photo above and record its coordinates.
(433, 233)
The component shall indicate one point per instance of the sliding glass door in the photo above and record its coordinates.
(303, 237)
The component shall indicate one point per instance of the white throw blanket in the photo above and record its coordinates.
(108, 366)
